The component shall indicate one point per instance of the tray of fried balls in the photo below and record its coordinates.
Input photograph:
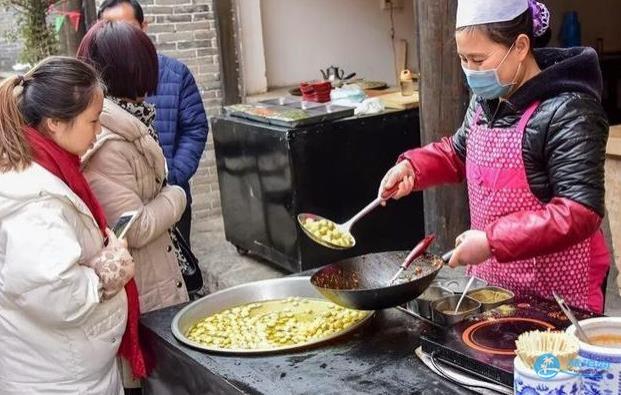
(264, 317)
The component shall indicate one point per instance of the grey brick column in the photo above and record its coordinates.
(186, 30)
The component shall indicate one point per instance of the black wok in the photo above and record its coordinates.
(362, 282)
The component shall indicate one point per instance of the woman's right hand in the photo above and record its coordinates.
(400, 176)
(114, 265)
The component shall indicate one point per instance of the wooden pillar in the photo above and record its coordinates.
(89, 12)
(69, 37)
(228, 39)
(444, 98)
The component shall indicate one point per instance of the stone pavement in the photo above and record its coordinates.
(223, 267)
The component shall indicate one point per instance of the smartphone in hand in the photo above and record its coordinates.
(124, 222)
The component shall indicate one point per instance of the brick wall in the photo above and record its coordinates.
(186, 30)
(9, 49)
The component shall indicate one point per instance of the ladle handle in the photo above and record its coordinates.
(389, 192)
(369, 208)
(362, 213)
(565, 308)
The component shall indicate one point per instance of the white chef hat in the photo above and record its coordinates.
(478, 12)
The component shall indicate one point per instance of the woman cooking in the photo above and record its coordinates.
(531, 149)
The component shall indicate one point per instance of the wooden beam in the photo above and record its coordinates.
(444, 99)
(229, 52)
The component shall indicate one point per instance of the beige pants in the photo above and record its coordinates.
(126, 374)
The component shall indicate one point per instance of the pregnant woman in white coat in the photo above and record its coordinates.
(63, 306)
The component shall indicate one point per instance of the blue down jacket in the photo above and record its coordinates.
(180, 121)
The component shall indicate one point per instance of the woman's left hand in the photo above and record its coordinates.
(472, 248)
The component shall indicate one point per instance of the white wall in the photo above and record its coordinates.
(598, 18)
(253, 53)
(302, 36)
(288, 41)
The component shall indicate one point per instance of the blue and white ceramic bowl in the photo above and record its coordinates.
(600, 365)
(526, 381)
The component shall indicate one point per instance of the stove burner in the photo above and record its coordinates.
(485, 345)
(498, 336)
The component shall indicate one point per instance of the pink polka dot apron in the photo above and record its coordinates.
(498, 186)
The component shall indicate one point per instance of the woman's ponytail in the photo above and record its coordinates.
(14, 150)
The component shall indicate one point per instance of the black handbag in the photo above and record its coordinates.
(192, 275)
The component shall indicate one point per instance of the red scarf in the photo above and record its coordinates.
(66, 166)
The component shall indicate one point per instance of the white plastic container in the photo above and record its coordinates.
(601, 364)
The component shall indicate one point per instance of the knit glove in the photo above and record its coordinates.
(114, 266)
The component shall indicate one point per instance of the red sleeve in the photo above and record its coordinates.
(527, 234)
(435, 164)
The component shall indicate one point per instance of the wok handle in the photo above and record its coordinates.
(417, 251)
(446, 257)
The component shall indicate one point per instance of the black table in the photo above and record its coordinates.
(268, 174)
(378, 358)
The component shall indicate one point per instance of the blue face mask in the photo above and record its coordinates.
(486, 83)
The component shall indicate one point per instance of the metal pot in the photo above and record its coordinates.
(467, 308)
(458, 284)
(485, 306)
(423, 302)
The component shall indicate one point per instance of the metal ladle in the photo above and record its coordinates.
(344, 228)
(579, 331)
(463, 295)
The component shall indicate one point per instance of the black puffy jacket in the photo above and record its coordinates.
(563, 151)
(565, 140)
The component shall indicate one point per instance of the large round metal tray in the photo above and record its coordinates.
(257, 291)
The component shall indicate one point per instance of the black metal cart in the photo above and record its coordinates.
(268, 174)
